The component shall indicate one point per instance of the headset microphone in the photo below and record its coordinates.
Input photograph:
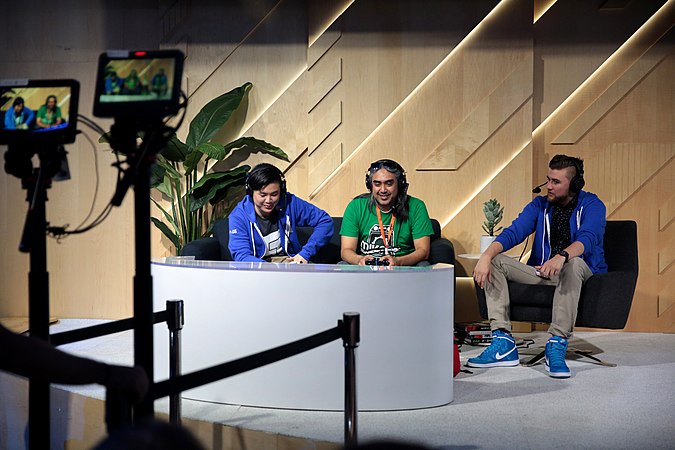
(537, 189)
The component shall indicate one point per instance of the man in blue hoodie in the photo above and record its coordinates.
(263, 225)
(19, 116)
(569, 227)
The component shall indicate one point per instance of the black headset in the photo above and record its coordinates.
(391, 166)
(266, 171)
(577, 183)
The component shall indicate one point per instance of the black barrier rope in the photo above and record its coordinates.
(228, 369)
(103, 329)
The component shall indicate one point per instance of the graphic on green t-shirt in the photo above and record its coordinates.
(360, 221)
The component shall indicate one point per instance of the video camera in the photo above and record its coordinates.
(38, 112)
(142, 85)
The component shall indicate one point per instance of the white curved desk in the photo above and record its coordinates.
(232, 310)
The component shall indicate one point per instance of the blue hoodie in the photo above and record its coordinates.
(587, 225)
(246, 241)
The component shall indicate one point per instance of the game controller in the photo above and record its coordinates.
(377, 262)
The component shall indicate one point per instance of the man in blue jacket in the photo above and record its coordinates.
(19, 116)
(263, 225)
(569, 227)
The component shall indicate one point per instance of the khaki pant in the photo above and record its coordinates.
(568, 285)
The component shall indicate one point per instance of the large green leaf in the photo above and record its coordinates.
(156, 175)
(212, 150)
(167, 232)
(175, 150)
(169, 170)
(167, 216)
(214, 115)
(229, 194)
(255, 146)
(215, 186)
(165, 187)
(192, 160)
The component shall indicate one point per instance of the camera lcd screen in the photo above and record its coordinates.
(138, 84)
(34, 111)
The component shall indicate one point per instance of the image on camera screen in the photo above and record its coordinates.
(138, 83)
(38, 110)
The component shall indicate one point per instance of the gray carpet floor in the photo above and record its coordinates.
(631, 406)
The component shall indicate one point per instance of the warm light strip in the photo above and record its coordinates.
(283, 89)
(407, 99)
(483, 186)
(331, 22)
(642, 30)
(542, 9)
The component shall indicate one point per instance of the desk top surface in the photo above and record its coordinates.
(297, 268)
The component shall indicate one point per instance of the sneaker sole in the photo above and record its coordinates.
(494, 364)
(558, 374)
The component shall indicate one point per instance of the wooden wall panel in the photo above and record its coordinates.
(472, 98)
(481, 123)
(617, 120)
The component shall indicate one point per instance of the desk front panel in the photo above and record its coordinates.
(404, 360)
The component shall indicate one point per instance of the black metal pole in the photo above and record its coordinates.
(350, 341)
(175, 321)
(143, 333)
(35, 241)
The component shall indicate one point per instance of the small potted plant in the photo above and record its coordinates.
(494, 213)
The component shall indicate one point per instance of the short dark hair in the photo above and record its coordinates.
(559, 162)
(18, 101)
(262, 175)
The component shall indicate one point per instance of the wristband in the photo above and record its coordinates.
(564, 254)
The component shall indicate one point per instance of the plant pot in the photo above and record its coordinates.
(485, 242)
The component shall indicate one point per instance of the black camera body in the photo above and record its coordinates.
(138, 84)
(377, 262)
(38, 112)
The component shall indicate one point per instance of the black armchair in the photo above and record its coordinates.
(215, 248)
(605, 298)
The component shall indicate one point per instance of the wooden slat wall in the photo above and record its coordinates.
(472, 98)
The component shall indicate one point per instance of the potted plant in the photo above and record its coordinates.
(494, 213)
(182, 172)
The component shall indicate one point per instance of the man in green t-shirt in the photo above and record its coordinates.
(386, 224)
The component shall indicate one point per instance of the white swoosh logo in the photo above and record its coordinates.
(500, 356)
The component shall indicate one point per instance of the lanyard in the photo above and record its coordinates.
(385, 239)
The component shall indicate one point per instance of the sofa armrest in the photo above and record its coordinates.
(442, 251)
(206, 248)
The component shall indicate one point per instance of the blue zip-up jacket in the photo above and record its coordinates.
(246, 241)
(587, 225)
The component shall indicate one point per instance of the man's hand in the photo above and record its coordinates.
(481, 273)
(362, 259)
(552, 267)
(298, 259)
(392, 260)
(128, 379)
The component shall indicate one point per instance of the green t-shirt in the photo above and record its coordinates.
(360, 221)
(49, 117)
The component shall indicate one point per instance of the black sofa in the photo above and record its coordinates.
(214, 248)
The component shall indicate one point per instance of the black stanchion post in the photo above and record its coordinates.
(350, 340)
(175, 321)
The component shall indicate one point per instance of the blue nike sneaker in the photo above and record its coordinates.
(502, 352)
(556, 349)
